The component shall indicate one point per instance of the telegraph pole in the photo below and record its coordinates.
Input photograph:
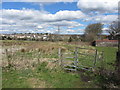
(58, 37)
(58, 29)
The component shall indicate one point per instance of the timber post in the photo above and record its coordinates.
(118, 60)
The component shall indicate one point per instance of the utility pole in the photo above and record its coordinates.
(58, 33)
(58, 29)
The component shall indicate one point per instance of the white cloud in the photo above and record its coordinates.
(107, 18)
(98, 5)
(76, 31)
(59, 16)
(70, 30)
(26, 19)
(70, 15)
(71, 24)
(102, 18)
(105, 29)
(7, 21)
(39, 27)
(28, 14)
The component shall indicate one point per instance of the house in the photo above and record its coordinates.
(45, 37)
(105, 42)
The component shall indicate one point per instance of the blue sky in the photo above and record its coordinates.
(19, 5)
(37, 17)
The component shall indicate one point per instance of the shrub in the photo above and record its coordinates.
(42, 67)
(70, 39)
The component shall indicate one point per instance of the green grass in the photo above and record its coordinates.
(55, 78)
(109, 56)
(12, 79)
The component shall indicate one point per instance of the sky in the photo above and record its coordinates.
(45, 16)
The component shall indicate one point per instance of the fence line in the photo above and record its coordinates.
(76, 60)
(68, 62)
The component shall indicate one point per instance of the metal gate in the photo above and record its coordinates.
(79, 58)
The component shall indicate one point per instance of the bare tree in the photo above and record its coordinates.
(114, 29)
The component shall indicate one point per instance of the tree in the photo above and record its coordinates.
(90, 37)
(114, 29)
(70, 39)
(92, 31)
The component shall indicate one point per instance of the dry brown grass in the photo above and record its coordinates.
(79, 43)
(46, 48)
(36, 83)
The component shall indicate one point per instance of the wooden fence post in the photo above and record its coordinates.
(60, 57)
(9, 58)
(95, 58)
(102, 63)
(76, 56)
(118, 60)
(39, 57)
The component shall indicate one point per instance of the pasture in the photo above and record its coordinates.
(36, 64)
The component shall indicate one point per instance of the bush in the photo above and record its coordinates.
(70, 39)
(107, 79)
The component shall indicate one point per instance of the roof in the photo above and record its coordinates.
(106, 40)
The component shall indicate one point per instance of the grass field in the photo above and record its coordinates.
(29, 73)
(109, 56)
